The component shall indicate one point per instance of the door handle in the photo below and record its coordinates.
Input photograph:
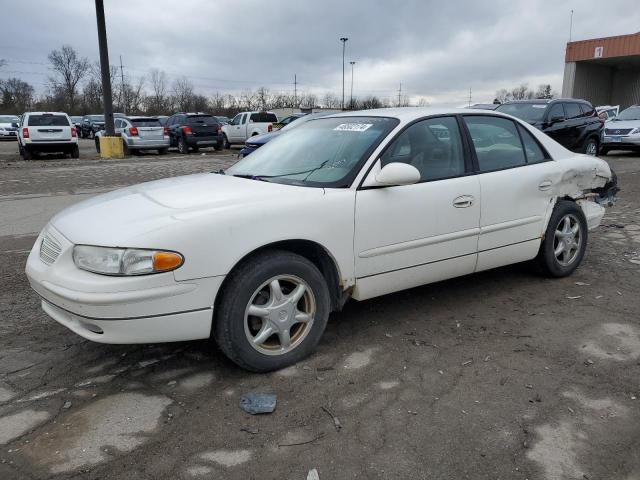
(463, 201)
(546, 185)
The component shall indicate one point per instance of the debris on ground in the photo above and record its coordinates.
(588, 361)
(468, 362)
(256, 403)
(529, 386)
(582, 284)
(575, 298)
(251, 430)
(336, 422)
(66, 405)
(313, 474)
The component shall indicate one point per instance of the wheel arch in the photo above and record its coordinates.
(312, 251)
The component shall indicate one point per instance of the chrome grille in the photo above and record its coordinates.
(617, 131)
(49, 249)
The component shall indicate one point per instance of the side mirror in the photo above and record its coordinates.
(555, 119)
(393, 174)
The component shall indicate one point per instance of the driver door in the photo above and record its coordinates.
(410, 235)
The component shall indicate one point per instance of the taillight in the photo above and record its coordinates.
(186, 130)
(133, 131)
(74, 132)
(165, 131)
(219, 129)
(270, 128)
(25, 132)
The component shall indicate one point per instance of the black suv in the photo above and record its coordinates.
(572, 123)
(92, 124)
(194, 131)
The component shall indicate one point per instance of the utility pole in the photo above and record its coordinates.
(295, 90)
(351, 101)
(104, 69)
(344, 44)
(122, 92)
(399, 93)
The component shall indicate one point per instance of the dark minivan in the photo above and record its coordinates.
(572, 123)
(194, 131)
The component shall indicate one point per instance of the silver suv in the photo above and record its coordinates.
(139, 133)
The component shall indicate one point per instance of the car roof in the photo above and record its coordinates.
(44, 113)
(410, 113)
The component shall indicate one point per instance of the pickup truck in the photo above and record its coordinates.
(246, 125)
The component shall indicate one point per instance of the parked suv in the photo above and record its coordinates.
(47, 132)
(572, 123)
(194, 131)
(139, 133)
(622, 132)
(92, 124)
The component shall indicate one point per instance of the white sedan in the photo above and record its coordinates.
(354, 205)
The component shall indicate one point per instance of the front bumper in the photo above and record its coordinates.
(139, 309)
(621, 141)
(8, 133)
(246, 151)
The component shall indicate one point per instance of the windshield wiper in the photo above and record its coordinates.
(251, 177)
(310, 171)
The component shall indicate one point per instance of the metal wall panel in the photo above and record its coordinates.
(621, 46)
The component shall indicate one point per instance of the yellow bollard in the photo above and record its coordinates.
(111, 147)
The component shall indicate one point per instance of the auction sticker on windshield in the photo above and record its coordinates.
(353, 127)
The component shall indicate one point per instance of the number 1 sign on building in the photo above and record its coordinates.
(597, 52)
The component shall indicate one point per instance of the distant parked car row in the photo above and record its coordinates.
(622, 132)
(47, 132)
(8, 126)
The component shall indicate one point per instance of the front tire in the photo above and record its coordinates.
(565, 240)
(225, 142)
(273, 310)
(97, 142)
(591, 147)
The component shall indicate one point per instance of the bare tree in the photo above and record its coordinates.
(182, 94)
(68, 70)
(158, 100)
(544, 91)
(16, 96)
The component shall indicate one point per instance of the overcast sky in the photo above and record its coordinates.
(437, 49)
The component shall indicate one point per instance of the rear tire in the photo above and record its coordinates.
(182, 146)
(75, 152)
(162, 151)
(125, 148)
(225, 142)
(26, 154)
(604, 151)
(591, 146)
(565, 240)
(97, 142)
(296, 320)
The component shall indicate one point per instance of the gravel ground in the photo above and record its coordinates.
(498, 375)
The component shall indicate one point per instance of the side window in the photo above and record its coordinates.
(496, 142)
(433, 146)
(236, 120)
(169, 121)
(532, 149)
(587, 110)
(556, 112)
(572, 110)
(118, 123)
(244, 119)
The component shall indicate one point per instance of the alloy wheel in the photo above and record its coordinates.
(279, 315)
(567, 240)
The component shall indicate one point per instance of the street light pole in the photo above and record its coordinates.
(351, 101)
(105, 70)
(344, 43)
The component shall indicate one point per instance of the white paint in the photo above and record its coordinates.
(15, 425)
(41, 395)
(614, 341)
(197, 381)
(388, 385)
(227, 458)
(556, 450)
(96, 380)
(199, 470)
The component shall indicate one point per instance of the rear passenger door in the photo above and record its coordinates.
(515, 175)
(576, 125)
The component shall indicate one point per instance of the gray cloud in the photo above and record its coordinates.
(437, 49)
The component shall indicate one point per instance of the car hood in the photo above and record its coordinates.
(613, 124)
(6, 125)
(113, 218)
(264, 138)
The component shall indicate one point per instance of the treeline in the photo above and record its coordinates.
(75, 87)
(523, 92)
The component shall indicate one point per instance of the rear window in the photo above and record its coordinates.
(48, 121)
(263, 117)
(205, 119)
(146, 122)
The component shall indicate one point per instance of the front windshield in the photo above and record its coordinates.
(530, 112)
(97, 118)
(4, 119)
(326, 152)
(631, 113)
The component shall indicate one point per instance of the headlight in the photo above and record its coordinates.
(125, 261)
(635, 131)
